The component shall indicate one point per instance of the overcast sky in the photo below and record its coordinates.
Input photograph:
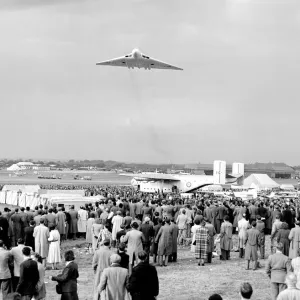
(236, 100)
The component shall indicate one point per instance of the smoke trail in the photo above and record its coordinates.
(151, 130)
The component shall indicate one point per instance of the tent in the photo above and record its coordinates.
(260, 182)
(13, 168)
(287, 187)
(22, 188)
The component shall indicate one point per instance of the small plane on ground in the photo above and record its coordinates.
(166, 183)
(136, 59)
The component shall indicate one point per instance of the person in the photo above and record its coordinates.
(41, 235)
(73, 229)
(61, 223)
(114, 280)
(277, 267)
(294, 237)
(201, 239)
(50, 218)
(148, 232)
(211, 243)
(28, 235)
(18, 258)
(283, 237)
(243, 226)
(173, 256)
(135, 239)
(5, 275)
(124, 263)
(68, 279)
(226, 238)
(215, 297)
(29, 276)
(54, 248)
(143, 282)
(117, 221)
(82, 221)
(182, 221)
(154, 246)
(292, 292)
(4, 226)
(251, 243)
(260, 226)
(274, 233)
(41, 287)
(89, 235)
(295, 264)
(101, 260)
(193, 231)
(246, 291)
(96, 230)
(164, 239)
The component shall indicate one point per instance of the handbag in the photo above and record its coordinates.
(58, 289)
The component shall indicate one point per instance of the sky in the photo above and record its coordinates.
(237, 98)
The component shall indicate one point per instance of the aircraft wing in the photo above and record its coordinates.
(156, 64)
(115, 62)
(153, 176)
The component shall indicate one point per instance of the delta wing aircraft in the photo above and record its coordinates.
(166, 183)
(136, 59)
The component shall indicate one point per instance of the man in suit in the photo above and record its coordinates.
(73, 222)
(28, 235)
(61, 223)
(260, 226)
(50, 218)
(5, 275)
(143, 282)
(287, 216)
(41, 235)
(277, 267)
(4, 225)
(222, 212)
(16, 219)
(29, 276)
(68, 279)
(124, 263)
(114, 279)
(253, 212)
(18, 258)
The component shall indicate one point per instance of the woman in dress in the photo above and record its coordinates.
(41, 288)
(89, 234)
(96, 228)
(193, 230)
(54, 248)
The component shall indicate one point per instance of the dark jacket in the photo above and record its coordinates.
(124, 259)
(3, 229)
(29, 239)
(143, 282)
(68, 278)
(29, 277)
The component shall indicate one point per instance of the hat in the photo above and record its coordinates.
(122, 247)
(147, 219)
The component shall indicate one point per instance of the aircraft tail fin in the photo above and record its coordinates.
(238, 172)
(219, 172)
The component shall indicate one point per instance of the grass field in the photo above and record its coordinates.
(183, 280)
(67, 177)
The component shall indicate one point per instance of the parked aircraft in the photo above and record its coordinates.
(166, 183)
(136, 59)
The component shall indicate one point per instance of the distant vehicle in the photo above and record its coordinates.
(87, 178)
(76, 177)
(49, 177)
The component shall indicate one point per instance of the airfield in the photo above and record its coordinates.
(67, 178)
(183, 280)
